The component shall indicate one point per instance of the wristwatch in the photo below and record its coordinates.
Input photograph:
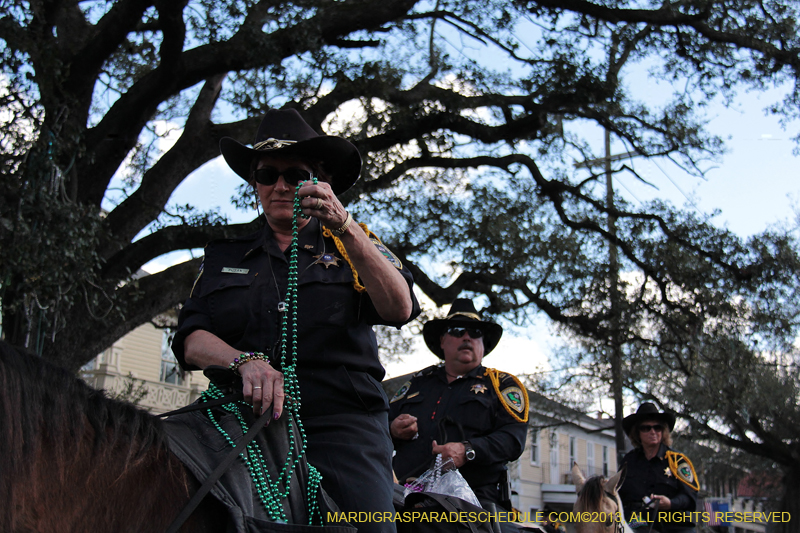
(469, 452)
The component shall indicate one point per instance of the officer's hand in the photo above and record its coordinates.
(663, 502)
(452, 450)
(404, 427)
(321, 202)
(263, 386)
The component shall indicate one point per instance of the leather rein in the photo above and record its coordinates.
(223, 466)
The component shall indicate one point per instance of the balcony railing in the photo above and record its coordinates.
(159, 398)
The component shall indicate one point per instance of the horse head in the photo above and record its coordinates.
(598, 496)
(72, 459)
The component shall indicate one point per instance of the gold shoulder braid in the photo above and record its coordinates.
(340, 246)
(683, 469)
(375, 240)
(513, 399)
(199, 275)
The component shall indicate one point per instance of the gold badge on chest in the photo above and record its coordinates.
(478, 387)
(326, 259)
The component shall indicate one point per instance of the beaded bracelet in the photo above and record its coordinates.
(246, 358)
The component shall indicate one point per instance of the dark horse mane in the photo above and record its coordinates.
(58, 437)
(35, 394)
(591, 494)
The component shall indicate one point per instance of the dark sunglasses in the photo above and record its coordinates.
(645, 428)
(475, 333)
(292, 175)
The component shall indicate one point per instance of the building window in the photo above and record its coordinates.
(572, 452)
(605, 461)
(554, 470)
(170, 370)
(535, 447)
(590, 458)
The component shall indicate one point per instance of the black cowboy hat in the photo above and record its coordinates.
(462, 313)
(647, 411)
(284, 132)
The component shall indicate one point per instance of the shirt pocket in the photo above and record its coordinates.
(475, 413)
(412, 405)
(666, 484)
(327, 297)
(231, 302)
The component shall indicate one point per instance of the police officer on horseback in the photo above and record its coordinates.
(659, 482)
(474, 415)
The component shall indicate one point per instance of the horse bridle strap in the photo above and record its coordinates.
(232, 397)
(226, 463)
(618, 523)
(221, 468)
(655, 511)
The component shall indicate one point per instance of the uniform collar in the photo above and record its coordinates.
(249, 242)
(662, 451)
(660, 454)
(309, 239)
(476, 372)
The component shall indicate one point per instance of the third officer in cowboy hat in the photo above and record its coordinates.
(475, 415)
(659, 482)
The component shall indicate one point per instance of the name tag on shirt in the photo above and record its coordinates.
(229, 270)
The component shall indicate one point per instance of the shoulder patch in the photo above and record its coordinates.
(427, 371)
(401, 392)
(513, 396)
(387, 253)
(683, 469)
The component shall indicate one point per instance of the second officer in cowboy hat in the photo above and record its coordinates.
(475, 415)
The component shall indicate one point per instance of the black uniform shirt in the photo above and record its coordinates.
(643, 478)
(237, 295)
(465, 409)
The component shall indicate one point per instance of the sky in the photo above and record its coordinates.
(755, 185)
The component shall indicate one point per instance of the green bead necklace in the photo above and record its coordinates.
(271, 493)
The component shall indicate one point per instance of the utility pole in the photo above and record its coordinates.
(615, 356)
(613, 295)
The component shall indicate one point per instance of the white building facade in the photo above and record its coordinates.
(558, 438)
(143, 359)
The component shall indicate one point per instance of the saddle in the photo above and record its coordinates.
(201, 447)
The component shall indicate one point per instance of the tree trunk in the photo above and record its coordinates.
(790, 502)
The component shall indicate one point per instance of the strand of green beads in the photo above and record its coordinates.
(269, 492)
(251, 456)
(289, 364)
(314, 485)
